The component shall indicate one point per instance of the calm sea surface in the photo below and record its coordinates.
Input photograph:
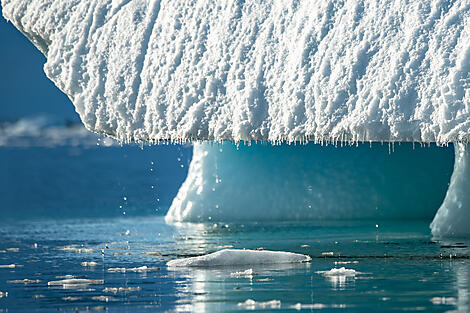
(400, 267)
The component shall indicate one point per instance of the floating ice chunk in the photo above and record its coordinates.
(10, 266)
(251, 304)
(90, 264)
(104, 298)
(132, 269)
(13, 249)
(247, 273)
(65, 277)
(77, 249)
(71, 298)
(24, 281)
(75, 281)
(235, 257)
(444, 300)
(342, 271)
(316, 306)
(121, 289)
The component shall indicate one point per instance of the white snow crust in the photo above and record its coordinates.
(236, 257)
(298, 70)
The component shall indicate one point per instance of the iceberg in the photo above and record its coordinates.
(270, 71)
(152, 70)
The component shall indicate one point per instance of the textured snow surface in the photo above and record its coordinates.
(258, 70)
(235, 257)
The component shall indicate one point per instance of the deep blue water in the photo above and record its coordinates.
(58, 182)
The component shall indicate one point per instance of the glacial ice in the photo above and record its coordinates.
(150, 70)
(239, 257)
(278, 71)
(310, 182)
(452, 218)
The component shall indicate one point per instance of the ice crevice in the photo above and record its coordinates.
(271, 71)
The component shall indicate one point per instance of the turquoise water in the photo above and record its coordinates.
(401, 267)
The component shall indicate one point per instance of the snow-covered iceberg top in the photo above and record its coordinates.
(258, 70)
(237, 257)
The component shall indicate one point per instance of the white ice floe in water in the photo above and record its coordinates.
(10, 266)
(89, 264)
(121, 289)
(342, 271)
(250, 70)
(236, 257)
(251, 304)
(75, 282)
(249, 273)
(132, 269)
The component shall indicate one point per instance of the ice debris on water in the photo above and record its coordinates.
(132, 269)
(251, 304)
(444, 300)
(90, 264)
(75, 281)
(10, 266)
(77, 249)
(24, 281)
(247, 273)
(3, 294)
(235, 257)
(104, 298)
(342, 271)
(121, 289)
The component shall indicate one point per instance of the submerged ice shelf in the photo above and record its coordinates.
(324, 71)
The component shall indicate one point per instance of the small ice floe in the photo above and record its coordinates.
(3, 294)
(126, 233)
(24, 281)
(74, 248)
(316, 306)
(305, 246)
(329, 253)
(71, 298)
(251, 304)
(152, 253)
(444, 300)
(65, 277)
(235, 257)
(133, 269)
(89, 264)
(121, 289)
(338, 272)
(38, 296)
(346, 262)
(10, 266)
(13, 249)
(75, 282)
(249, 273)
(104, 298)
